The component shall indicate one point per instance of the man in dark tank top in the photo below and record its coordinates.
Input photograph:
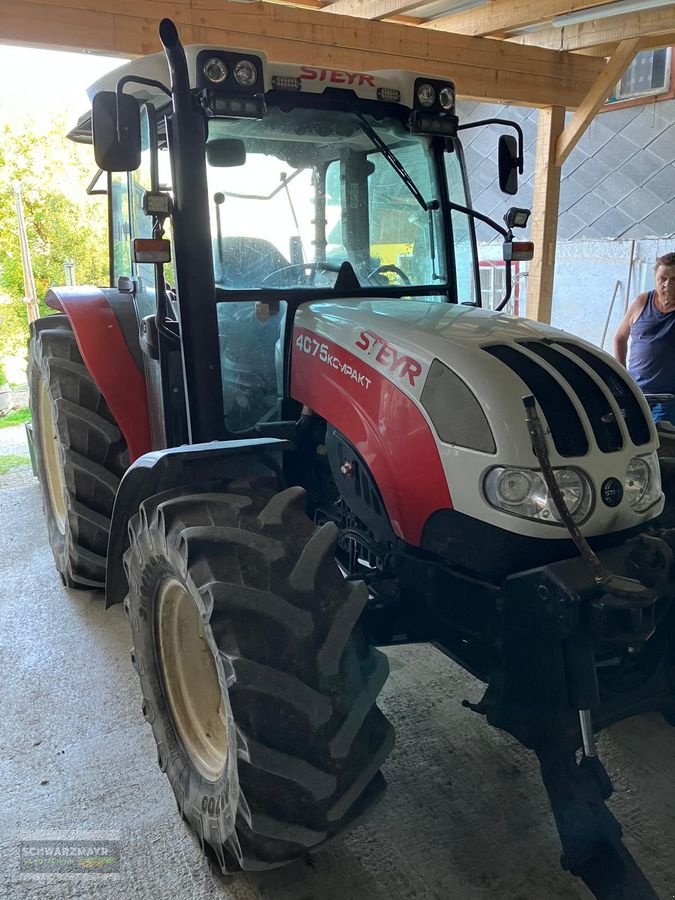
(649, 323)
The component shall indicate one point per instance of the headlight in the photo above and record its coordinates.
(642, 483)
(245, 73)
(215, 70)
(523, 492)
(426, 94)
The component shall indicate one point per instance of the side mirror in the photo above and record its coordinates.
(508, 164)
(116, 130)
(223, 153)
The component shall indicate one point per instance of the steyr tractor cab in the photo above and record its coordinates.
(287, 434)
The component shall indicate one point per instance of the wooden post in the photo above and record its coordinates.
(545, 214)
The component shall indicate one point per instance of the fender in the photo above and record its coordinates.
(192, 466)
(110, 363)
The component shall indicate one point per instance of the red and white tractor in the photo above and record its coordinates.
(287, 434)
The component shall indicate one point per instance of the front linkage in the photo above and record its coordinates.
(578, 654)
(566, 649)
(554, 628)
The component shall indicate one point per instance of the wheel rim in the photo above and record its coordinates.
(49, 441)
(190, 678)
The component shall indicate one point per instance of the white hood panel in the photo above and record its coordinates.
(399, 340)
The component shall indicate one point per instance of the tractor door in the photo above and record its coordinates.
(463, 244)
(159, 342)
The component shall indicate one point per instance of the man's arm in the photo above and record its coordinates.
(623, 331)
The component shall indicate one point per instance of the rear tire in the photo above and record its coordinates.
(79, 452)
(257, 682)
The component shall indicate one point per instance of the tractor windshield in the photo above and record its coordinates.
(296, 194)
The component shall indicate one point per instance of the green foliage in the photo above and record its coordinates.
(12, 461)
(62, 222)
(15, 417)
(13, 328)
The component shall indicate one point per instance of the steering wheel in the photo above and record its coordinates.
(381, 270)
(309, 269)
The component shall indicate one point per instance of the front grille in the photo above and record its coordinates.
(563, 420)
(620, 389)
(605, 427)
(554, 396)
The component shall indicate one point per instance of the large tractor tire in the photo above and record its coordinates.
(79, 452)
(257, 682)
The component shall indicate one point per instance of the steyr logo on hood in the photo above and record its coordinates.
(389, 357)
(336, 76)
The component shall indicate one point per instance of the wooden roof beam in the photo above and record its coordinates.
(651, 42)
(501, 16)
(372, 9)
(612, 30)
(595, 98)
(481, 68)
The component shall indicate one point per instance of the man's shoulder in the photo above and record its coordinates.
(637, 306)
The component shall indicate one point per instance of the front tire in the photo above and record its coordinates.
(256, 680)
(80, 453)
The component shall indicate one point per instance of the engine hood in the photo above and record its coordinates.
(596, 417)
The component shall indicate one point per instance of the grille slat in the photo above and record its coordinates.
(621, 390)
(567, 430)
(596, 405)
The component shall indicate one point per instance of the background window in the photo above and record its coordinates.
(649, 73)
(492, 282)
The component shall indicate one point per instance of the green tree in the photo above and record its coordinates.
(62, 222)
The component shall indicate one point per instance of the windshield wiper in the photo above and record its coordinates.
(400, 169)
(395, 163)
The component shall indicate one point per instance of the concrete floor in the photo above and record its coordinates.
(465, 815)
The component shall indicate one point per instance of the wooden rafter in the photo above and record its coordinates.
(650, 22)
(480, 67)
(499, 16)
(596, 97)
(651, 42)
(372, 9)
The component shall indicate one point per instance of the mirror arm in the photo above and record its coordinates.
(506, 233)
(507, 287)
(476, 215)
(91, 190)
(135, 79)
(511, 124)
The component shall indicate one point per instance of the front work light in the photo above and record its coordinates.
(446, 98)
(215, 70)
(426, 94)
(516, 217)
(245, 73)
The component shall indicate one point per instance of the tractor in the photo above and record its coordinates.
(287, 435)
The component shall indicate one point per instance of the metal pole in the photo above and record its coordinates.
(609, 313)
(30, 294)
(630, 275)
